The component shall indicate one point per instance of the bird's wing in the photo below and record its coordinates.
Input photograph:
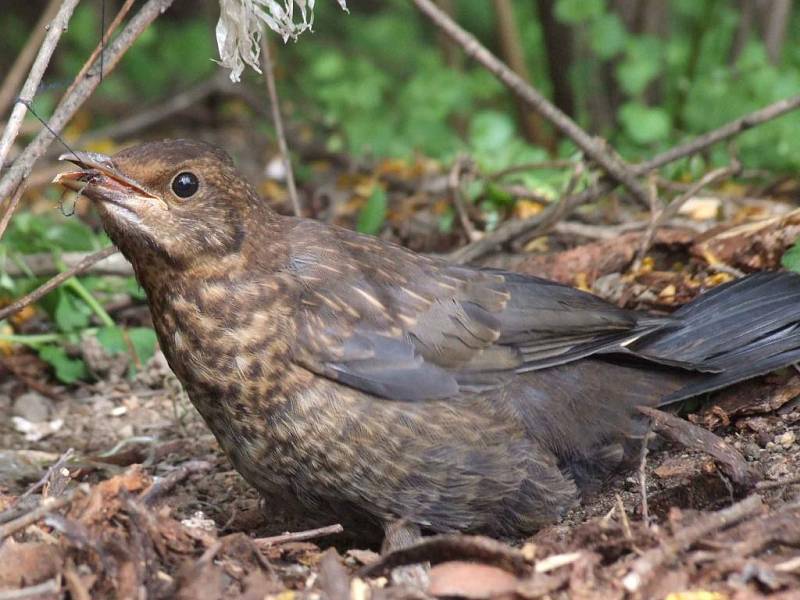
(403, 326)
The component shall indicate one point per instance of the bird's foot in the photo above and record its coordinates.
(402, 534)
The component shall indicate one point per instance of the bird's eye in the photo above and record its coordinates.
(185, 184)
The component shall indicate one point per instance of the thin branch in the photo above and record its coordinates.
(596, 149)
(46, 589)
(100, 48)
(454, 183)
(57, 27)
(12, 206)
(164, 485)
(298, 536)
(646, 566)
(13, 78)
(160, 112)
(272, 90)
(735, 127)
(56, 281)
(44, 264)
(514, 228)
(77, 94)
(536, 225)
(47, 506)
(671, 209)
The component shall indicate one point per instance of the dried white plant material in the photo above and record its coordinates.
(241, 23)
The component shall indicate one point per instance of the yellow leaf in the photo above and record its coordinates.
(697, 595)
(668, 291)
(526, 208)
(701, 208)
(717, 279)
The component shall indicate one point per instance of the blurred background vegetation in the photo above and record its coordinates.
(381, 86)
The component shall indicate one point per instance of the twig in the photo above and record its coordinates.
(77, 590)
(99, 50)
(277, 120)
(13, 78)
(598, 151)
(56, 281)
(147, 118)
(643, 569)
(735, 127)
(47, 506)
(623, 515)
(768, 485)
(512, 229)
(643, 475)
(671, 209)
(43, 264)
(521, 168)
(77, 94)
(57, 27)
(40, 590)
(299, 536)
(154, 493)
(50, 471)
(695, 437)
(454, 183)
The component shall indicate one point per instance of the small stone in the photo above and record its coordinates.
(752, 451)
(763, 439)
(33, 407)
(787, 439)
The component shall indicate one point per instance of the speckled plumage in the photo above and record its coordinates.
(367, 381)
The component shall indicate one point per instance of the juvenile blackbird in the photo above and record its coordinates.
(373, 384)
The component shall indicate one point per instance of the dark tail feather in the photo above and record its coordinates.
(742, 329)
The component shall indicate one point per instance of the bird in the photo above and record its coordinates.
(353, 378)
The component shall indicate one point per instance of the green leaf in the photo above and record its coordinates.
(70, 315)
(144, 342)
(490, 130)
(112, 339)
(642, 63)
(576, 11)
(791, 258)
(68, 370)
(643, 124)
(373, 213)
(607, 36)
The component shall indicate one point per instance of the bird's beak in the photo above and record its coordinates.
(101, 180)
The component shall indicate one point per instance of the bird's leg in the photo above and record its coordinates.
(401, 534)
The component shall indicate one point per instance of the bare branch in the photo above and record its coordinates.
(269, 76)
(57, 26)
(56, 281)
(735, 127)
(13, 78)
(671, 209)
(595, 148)
(78, 94)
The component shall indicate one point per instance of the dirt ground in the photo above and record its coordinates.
(117, 489)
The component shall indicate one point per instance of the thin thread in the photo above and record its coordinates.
(50, 129)
(74, 204)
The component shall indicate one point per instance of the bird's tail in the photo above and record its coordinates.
(585, 411)
(738, 330)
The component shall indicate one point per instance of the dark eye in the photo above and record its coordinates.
(185, 184)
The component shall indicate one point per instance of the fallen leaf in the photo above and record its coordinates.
(470, 580)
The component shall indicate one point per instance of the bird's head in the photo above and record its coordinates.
(174, 201)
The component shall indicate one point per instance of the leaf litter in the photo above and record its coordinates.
(147, 506)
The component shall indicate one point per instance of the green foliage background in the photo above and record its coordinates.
(375, 83)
